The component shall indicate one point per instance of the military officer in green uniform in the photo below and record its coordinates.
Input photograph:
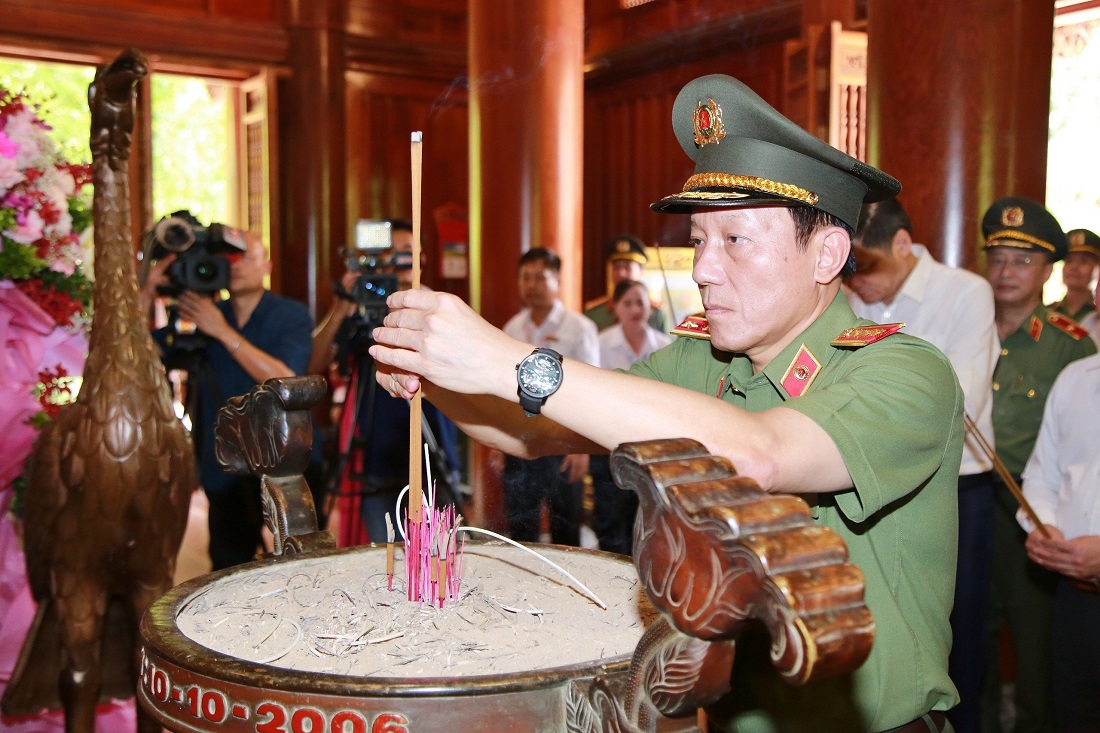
(1078, 274)
(784, 381)
(1023, 241)
(625, 259)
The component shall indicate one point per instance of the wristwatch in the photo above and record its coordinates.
(539, 375)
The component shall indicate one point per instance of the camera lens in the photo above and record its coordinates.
(206, 271)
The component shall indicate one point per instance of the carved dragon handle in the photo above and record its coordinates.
(268, 433)
(713, 551)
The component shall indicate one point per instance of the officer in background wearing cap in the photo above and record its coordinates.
(790, 386)
(1079, 273)
(1022, 242)
(625, 259)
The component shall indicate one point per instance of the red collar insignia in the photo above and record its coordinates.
(1035, 328)
(801, 373)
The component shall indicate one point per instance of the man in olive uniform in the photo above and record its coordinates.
(1023, 241)
(626, 259)
(1078, 274)
(791, 387)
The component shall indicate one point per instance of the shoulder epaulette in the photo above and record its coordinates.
(695, 327)
(1067, 325)
(863, 335)
(596, 302)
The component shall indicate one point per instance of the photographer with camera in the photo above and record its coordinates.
(235, 344)
(373, 436)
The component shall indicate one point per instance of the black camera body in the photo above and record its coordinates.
(202, 253)
(375, 265)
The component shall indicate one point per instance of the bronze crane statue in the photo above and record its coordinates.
(111, 477)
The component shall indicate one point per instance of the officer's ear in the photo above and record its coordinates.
(833, 244)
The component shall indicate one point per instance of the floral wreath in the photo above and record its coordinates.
(45, 296)
(42, 215)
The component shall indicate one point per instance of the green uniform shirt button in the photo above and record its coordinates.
(996, 386)
(1031, 393)
(1004, 352)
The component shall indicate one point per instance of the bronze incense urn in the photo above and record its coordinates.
(713, 552)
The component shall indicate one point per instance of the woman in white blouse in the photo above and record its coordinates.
(630, 339)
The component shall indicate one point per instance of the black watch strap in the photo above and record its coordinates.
(532, 404)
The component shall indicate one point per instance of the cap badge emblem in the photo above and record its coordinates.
(1012, 216)
(708, 123)
(622, 246)
(1078, 239)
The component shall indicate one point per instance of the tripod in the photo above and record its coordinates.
(372, 459)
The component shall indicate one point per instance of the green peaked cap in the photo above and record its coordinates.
(1084, 240)
(1024, 224)
(747, 154)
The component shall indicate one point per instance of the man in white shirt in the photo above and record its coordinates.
(555, 480)
(1062, 484)
(899, 281)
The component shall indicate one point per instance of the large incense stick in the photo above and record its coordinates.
(416, 464)
(1003, 472)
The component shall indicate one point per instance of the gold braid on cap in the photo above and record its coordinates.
(1013, 234)
(632, 256)
(752, 183)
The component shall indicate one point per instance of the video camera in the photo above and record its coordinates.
(202, 265)
(375, 264)
(202, 261)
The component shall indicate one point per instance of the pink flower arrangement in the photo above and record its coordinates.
(44, 295)
(42, 215)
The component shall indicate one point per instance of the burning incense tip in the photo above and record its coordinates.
(417, 137)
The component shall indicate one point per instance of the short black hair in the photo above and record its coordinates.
(624, 286)
(808, 220)
(880, 221)
(547, 257)
(401, 225)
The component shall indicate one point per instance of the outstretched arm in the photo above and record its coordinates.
(467, 367)
(324, 336)
(259, 364)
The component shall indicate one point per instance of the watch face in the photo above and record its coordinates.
(540, 375)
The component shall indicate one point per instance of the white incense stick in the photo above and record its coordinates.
(545, 559)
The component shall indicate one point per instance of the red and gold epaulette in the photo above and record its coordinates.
(863, 335)
(596, 302)
(695, 327)
(1064, 323)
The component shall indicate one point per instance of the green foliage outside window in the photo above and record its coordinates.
(191, 124)
(61, 91)
(191, 147)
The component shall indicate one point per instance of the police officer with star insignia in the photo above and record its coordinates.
(1022, 242)
(791, 387)
(1079, 273)
(625, 259)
